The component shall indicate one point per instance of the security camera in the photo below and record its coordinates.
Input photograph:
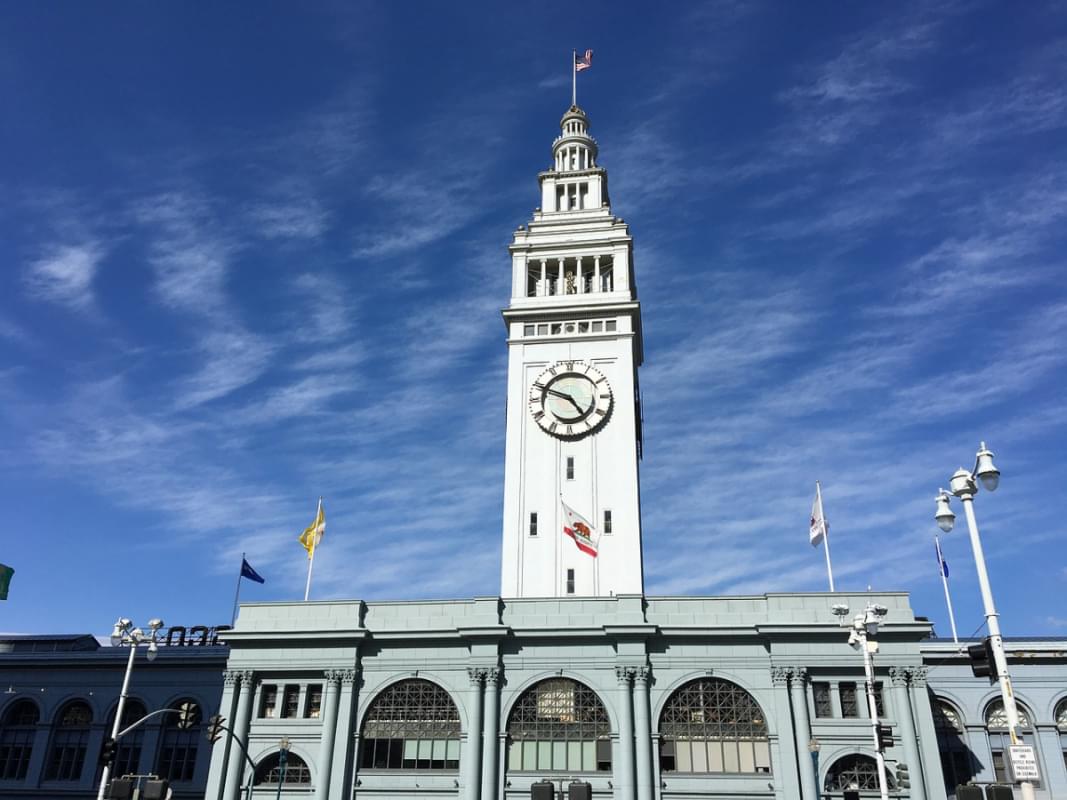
(839, 609)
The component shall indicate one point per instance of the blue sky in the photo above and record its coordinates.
(256, 252)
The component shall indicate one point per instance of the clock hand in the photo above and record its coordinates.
(566, 396)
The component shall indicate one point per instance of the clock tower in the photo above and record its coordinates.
(573, 413)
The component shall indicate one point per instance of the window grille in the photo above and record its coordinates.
(291, 701)
(996, 719)
(854, 772)
(413, 724)
(268, 701)
(820, 693)
(177, 750)
(715, 726)
(956, 761)
(269, 770)
(946, 718)
(1061, 716)
(69, 742)
(17, 732)
(559, 725)
(849, 705)
(313, 707)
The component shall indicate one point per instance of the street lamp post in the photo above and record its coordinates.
(862, 637)
(283, 757)
(813, 748)
(964, 486)
(125, 633)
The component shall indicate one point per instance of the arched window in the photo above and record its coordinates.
(559, 725)
(128, 753)
(957, 766)
(69, 740)
(1060, 716)
(996, 725)
(712, 725)
(413, 724)
(294, 773)
(17, 730)
(179, 742)
(854, 772)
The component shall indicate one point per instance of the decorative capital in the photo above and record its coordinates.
(800, 675)
(624, 675)
(780, 675)
(246, 676)
(230, 677)
(492, 676)
(918, 676)
(642, 676)
(336, 676)
(899, 675)
(477, 675)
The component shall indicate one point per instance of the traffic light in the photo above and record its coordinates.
(903, 779)
(885, 737)
(107, 750)
(214, 727)
(983, 665)
(120, 789)
(154, 790)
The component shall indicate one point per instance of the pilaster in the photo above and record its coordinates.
(643, 730)
(330, 698)
(344, 753)
(242, 717)
(491, 744)
(928, 754)
(809, 781)
(471, 757)
(220, 750)
(786, 779)
(624, 772)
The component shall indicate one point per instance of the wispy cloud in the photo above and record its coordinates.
(65, 273)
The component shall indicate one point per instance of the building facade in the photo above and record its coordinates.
(58, 698)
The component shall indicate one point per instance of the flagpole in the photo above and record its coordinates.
(237, 594)
(825, 537)
(574, 77)
(311, 555)
(948, 598)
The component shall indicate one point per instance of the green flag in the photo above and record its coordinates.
(5, 580)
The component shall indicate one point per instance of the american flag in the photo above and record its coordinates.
(585, 62)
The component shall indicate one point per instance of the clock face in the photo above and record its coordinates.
(570, 399)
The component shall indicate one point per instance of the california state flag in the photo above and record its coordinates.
(580, 529)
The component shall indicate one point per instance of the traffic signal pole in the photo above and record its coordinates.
(106, 772)
(872, 708)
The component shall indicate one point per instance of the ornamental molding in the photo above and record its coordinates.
(492, 676)
(900, 676)
(799, 674)
(918, 675)
(230, 677)
(780, 675)
(624, 675)
(642, 676)
(336, 676)
(477, 675)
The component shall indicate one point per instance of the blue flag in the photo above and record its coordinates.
(941, 563)
(251, 574)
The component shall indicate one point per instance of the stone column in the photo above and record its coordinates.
(472, 758)
(580, 275)
(330, 698)
(785, 768)
(341, 764)
(596, 273)
(900, 677)
(624, 772)
(236, 769)
(490, 747)
(217, 775)
(544, 277)
(643, 730)
(928, 754)
(809, 781)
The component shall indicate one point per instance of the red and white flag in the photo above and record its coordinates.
(585, 62)
(580, 529)
(819, 526)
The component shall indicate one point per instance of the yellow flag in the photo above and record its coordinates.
(312, 534)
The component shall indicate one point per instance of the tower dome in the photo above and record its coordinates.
(574, 149)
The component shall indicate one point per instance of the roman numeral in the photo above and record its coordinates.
(539, 415)
(570, 430)
(552, 427)
(601, 411)
(538, 386)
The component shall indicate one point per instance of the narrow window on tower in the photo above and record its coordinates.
(570, 468)
(533, 523)
(570, 581)
(607, 521)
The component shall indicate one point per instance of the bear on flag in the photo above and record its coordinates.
(580, 529)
